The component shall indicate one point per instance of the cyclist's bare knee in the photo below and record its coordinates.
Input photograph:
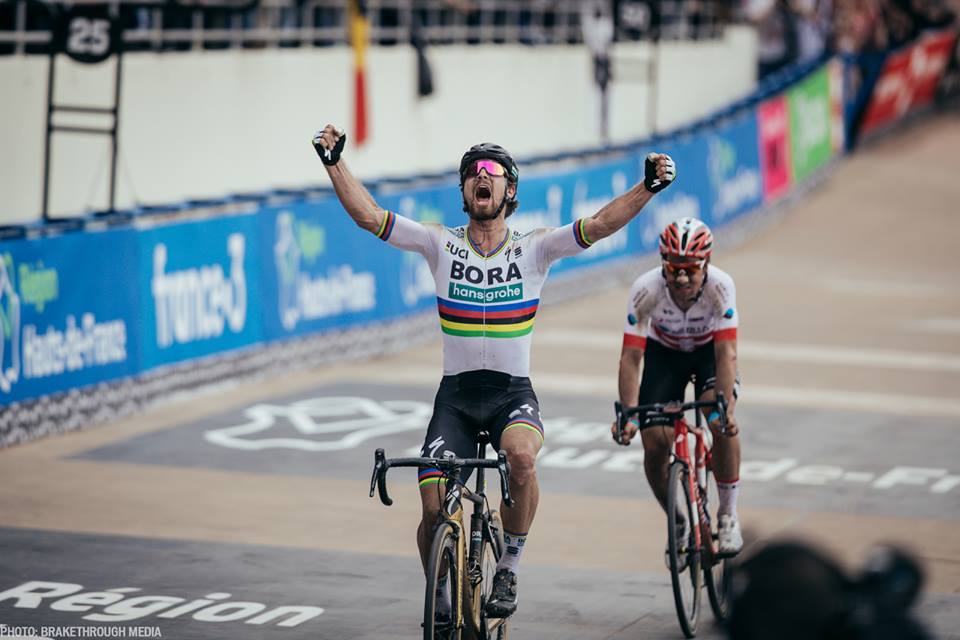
(656, 442)
(521, 446)
(522, 466)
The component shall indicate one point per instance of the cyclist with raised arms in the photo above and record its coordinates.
(682, 323)
(488, 280)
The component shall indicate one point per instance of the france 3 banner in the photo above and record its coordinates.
(68, 311)
(199, 286)
(321, 271)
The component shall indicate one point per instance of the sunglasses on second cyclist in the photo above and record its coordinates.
(492, 168)
(691, 268)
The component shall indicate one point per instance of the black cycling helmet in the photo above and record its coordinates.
(489, 151)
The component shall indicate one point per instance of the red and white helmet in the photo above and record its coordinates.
(686, 238)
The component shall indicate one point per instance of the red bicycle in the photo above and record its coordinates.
(689, 492)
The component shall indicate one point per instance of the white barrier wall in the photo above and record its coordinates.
(212, 123)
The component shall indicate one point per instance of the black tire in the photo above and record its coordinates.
(687, 584)
(490, 554)
(443, 555)
(716, 573)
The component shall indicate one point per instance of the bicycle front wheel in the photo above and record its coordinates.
(716, 571)
(440, 623)
(684, 557)
(490, 553)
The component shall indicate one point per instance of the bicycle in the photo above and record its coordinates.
(690, 481)
(471, 569)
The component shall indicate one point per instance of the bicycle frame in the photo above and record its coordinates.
(469, 557)
(697, 481)
(468, 560)
(681, 451)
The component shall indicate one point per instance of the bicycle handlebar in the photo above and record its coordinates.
(381, 464)
(669, 409)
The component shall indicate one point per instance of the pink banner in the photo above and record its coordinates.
(774, 127)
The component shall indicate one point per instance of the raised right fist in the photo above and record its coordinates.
(659, 172)
(329, 143)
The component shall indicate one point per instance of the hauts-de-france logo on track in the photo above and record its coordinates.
(321, 424)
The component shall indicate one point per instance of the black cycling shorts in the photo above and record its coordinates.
(473, 402)
(667, 372)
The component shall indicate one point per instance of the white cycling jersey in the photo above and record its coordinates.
(487, 303)
(652, 313)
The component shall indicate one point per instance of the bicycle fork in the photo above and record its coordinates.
(454, 513)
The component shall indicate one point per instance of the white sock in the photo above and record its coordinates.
(513, 547)
(443, 596)
(728, 497)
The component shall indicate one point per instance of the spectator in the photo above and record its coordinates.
(859, 26)
(813, 19)
(791, 591)
(776, 27)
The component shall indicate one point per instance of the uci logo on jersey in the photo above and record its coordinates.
(474, 275)
(461, 252)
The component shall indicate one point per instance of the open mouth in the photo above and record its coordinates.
(483, 194)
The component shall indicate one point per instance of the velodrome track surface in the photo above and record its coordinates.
(850, 354)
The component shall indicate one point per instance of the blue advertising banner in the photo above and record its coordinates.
(321, 271)
(733, 168)
(199, 289)
(69, 312)
(412, 281)
(689, 195)
(557, 199)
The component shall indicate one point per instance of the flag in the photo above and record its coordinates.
(359, 36)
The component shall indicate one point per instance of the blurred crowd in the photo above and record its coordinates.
(796, 31)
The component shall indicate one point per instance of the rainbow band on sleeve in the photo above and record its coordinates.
(386, 227)
(579, 235)
(430, 476)
(526, 424)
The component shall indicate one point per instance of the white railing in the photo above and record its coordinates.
(197, 24)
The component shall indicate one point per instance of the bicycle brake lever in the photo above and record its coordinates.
(504, 468)
(722, 402)
(377, 464)
(380, 477)
(621, 423)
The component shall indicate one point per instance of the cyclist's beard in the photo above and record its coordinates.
(484, 216)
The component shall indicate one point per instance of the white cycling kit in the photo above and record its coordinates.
(652, 313)
(487, 302)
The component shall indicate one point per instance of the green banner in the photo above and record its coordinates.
(809, 105)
